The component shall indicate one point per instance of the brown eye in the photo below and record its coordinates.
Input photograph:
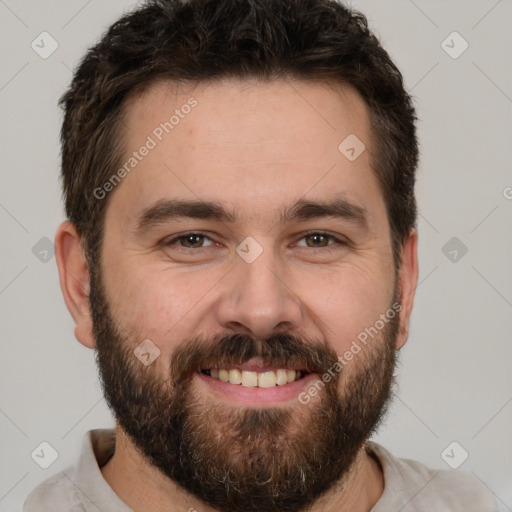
(318, 240)
(190, 241)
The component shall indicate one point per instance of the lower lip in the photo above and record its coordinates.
(255, 395)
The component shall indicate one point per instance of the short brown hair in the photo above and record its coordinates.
(203, 40)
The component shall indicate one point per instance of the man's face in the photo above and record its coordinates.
(297, 292)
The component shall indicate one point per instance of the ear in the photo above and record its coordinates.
(74, 280)
(408, 281)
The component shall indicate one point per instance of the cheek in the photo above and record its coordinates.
(159, 304)
(347, 302)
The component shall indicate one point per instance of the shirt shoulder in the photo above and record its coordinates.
(411, 486)
(56, 494)
(80, 487)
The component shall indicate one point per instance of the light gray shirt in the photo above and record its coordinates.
(409, 486)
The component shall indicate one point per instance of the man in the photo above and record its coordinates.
(241, 252)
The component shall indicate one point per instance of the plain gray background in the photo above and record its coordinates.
(455, 379)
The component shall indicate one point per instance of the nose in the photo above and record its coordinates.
(257, 299)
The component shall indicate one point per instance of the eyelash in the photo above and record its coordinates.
(173, 241)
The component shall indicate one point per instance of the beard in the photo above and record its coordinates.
(235, 458)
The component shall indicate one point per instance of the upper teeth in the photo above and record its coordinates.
(255, 379)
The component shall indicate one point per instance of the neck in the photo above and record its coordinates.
(143, 488)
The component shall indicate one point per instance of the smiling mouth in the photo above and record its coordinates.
(254, 379)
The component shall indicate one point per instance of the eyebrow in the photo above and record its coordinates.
(165, 210)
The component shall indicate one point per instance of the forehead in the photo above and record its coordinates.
(250, 144)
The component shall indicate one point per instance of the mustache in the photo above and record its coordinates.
(282, 350)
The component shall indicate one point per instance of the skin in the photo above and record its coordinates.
(257, 148)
